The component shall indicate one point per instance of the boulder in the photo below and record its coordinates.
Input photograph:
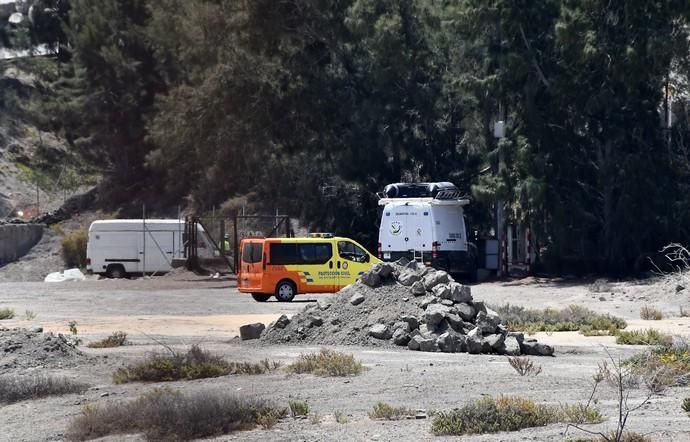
(455, 322)
(323, 305)
(465, 311)
(447, 302)
(487, 324)
(414, 343)
(432, 279)
(441, 291)
(459, 292)
(434, 314)
(251, 331)
(314, 321)
(385, 270)
(371, 278)
(408, 277)
(380, 331)
(281, 322)
(402, 325)
(511, 346)
(451, 342)
(474, 342)
(401, 337)
(427, 301)
(494, 342)
(411, 321)
(428, 344)
(417, 288)
(357, 299)
(520, 337)
(533, 348)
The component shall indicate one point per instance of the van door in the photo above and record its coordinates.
(316, 268)
(352, 261)
(159, 251)
(251, 264)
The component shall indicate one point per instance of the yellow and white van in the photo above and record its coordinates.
(285, 267)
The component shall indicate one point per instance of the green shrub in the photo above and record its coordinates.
(327, 363)
(385, 411)
(117, 339)
(74, 248)
(20, 388)
(642, 337)
(165, 414)
(194, 364)
(507, 413)
(571, 318)
(6, 313)
(686, 405)
(298, 408)
(665, 366)
(651, 313)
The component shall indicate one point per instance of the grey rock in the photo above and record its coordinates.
(380, 331)
(401, 337)
(413, 344)
(487, 324)
(408, 277)
(323, 305)
(495, 341)
(314, 321)
(371, 278)
(402, 262)
(451, 342)
(428, 344)
(385, 270)
(479, 306)
(441, 291)
(511, 346)
(251, 331)
(432, 279)
(427, 301)
(474, 342)
(534, 348)
(417, 288)
(411, 321)
(520, 337)
(281, 322)
(402, 325)
(434, 314)
(447, 302)
(36, 329)
(465, 311)
(425, 331)
(459, 292)
(455, 322)
(357, 299)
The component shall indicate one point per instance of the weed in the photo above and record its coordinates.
(19, 388)
(73, 339)
(571, 318)
(327, 363)
(580, 414)
(341, 417)
(194, 364)
(686, 405)
(524, 366)
(661, 367)
(315, 419)
(642, 337)
(74, 248)
(164, 414)
(298, 408)
(29, 315)
(650, 313)
(385, 411)
(600, 286)
(117, 339)
(6, 313)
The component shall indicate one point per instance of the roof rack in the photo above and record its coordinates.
(320, 235)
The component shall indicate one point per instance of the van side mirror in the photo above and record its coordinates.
(367, 258)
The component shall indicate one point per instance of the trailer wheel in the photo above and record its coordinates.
(115, 271)
(260, 297)
(285, 291)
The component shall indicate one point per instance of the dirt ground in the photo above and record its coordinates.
(182, 310)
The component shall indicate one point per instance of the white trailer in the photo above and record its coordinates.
(119, 247)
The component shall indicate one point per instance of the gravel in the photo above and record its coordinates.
(22, 348)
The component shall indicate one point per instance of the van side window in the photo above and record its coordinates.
(352, 252)
(284, 254)
(318, 253)
(251, 253)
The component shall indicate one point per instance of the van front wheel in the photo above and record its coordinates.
(285, 291)
(260, 297)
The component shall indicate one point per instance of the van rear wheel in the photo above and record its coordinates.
(285, 291)
(115, 271)
(260, 297)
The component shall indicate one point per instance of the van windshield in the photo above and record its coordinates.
(251, 253)
(352, 252)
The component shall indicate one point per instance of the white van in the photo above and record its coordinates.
(116, 247)
(428, 229)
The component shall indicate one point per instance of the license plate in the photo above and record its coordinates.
(386, 256)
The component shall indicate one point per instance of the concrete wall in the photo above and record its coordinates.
(17, 239)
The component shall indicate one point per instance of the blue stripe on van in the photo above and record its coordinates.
(310, 280)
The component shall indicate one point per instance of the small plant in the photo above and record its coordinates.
(73, 339)
(20, 388)
(74, 248)
(524, 366)
(385, 411)
(650, 313)
(661, 367)
(6, 313)
(298, 408)
(315, 418)
(326, 363)
(600, 286)
(571, 318)
(29, 315)
(268, 418)
(117, 339)
(686, 405)
(73, 327)
(341, 417)
(580, 414)
(642, 337)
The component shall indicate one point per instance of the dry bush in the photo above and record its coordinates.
(666, 366)
(571, 318)
(298, 408)
(74, 248)
(165, 414)
(686, 405)
(385, 411)
(524, 365)
(6, 313)
(600, 286)
(117, 339)
(341, 417)
(642, 337)
(20, 388)
(651, 314)
(194, 364)
(327, 363)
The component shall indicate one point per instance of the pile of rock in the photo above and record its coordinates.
(405, 304)
(30, 348)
